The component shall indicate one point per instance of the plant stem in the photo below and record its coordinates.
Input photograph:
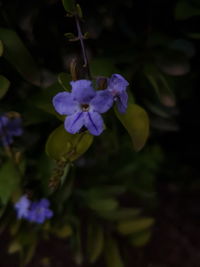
(81, 38)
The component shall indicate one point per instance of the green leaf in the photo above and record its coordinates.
(79, 11)
(162, 89)
(4, 85)
(136, 122)
(185, 10)
(160, 83)
(63, 232)
(121, 214)
(1, 48)
(69, 5)
(18, 55)
(134, 226)
(14, 247)
(9, 180)
(140, 239)
(43, 99)
(106, 191)
(112, 253)
(30, 251)
(194, 35)
(64, 79)
(95, 241)
(63, 145)
(103, 204)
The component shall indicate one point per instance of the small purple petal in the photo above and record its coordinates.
(9, 127)
(48, 213)
(22, 207)
(94, 122)
(74, 123)
(39, 211)
(117, 83)
(64, 104)
(3, 121)
(122, 102)
(82, 91)
(44, 203)
(102, 102)
(5, 137)
(15, 126)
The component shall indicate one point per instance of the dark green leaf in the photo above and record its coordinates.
(79, 11)
(18, 55)
(4, 85)
(63, 232)
(185, 10)
(14, 247)
(9, 180)
(106, 191)
(136, 122)
(64, 79)
(121, 214)
(134, 226)
(112, 253)
(103, 204)
(43, 100)
(140, 239)
(63, 145)
(95, 241)
(1, 48)
(159, 82)
(194, 35)
(69, 5)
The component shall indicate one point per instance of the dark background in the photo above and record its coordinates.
(124, 31)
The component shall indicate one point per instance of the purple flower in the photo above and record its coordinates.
(22, 207)
(117, 87)
(9, 127)
(37, 211)
(83, 107)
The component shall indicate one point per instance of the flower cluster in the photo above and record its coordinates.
(84, 105)
(37, 211)
(9, 127)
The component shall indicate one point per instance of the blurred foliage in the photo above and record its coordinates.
(102, 191)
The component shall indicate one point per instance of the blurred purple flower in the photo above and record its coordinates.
(9, 127)
(37, 211)
(22, 207)
(83, 107)
(117, 87)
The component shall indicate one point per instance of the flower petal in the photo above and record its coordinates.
(82, 91)
(74, 123)
(64, 104)
(48, 213)
(22, 207)
(94, 122)
(44, 203)
(102, 102)
(122, 102)
(117, 83)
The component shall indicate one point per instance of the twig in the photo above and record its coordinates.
(81, 38)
